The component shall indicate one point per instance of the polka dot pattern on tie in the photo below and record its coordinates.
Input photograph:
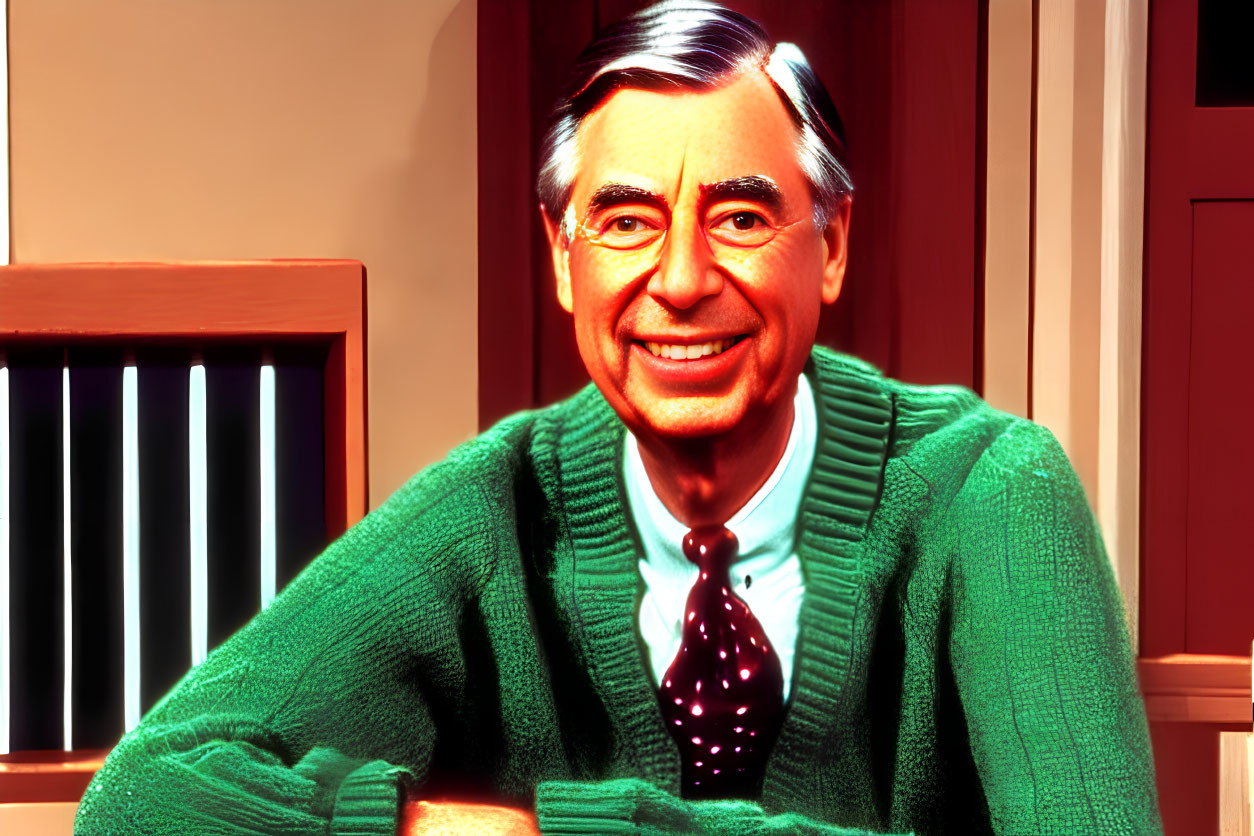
(722, 696)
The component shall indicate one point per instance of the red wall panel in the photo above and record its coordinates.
(1220, 575)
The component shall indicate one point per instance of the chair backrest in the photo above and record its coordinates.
(176, 442)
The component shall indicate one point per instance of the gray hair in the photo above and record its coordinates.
(697, 45)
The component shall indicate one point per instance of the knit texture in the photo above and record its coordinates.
(962, 664)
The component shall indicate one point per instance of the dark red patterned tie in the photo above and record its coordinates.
(722, 696)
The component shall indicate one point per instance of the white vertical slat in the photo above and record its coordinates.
(67, 706)
(130, 544)
(199, 523)
(267, 486)
(5, 669)
(4, 131)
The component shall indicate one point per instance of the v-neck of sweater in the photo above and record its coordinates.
(765, 528)
(854, 415)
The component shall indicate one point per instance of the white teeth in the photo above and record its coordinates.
(689, 352)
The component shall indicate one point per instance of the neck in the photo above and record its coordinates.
(705, 481)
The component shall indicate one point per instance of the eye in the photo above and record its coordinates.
(742, 229)
(628, 232)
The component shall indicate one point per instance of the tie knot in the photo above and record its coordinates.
(711, 547)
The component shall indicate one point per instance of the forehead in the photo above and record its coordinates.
(668, 142)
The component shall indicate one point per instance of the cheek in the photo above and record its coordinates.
(593, 298)
(592, 280)
(782, 283)
(600, 293)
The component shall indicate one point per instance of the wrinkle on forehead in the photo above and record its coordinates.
(683, 158)
(674, 142)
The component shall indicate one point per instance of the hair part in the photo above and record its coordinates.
(693, 44)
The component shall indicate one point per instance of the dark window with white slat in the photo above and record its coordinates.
(132, 624)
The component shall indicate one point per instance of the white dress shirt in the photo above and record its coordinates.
(767, 572)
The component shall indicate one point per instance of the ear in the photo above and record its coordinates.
(559, 249)
(836, 251)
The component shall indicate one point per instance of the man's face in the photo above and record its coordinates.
(694, 236)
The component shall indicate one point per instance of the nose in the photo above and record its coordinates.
(686, 273)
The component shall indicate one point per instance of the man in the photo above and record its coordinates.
(942, 642)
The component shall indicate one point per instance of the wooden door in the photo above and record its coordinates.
(1197, 573)
(1197, 307)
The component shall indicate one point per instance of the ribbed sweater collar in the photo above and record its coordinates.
(854, 415)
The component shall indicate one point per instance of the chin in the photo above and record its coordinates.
(689, 418)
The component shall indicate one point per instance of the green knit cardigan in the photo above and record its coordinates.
(962, 664)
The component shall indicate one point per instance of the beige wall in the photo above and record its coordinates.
(229, 129)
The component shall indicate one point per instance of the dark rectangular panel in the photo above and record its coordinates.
(164, 539)
(35, 549)
(299, 465)
(233, 416)
(1225, 64)
(1220, 573)
(96, 546)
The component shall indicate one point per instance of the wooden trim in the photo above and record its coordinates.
(1165, 318)
(38, 777)
(1007, 237)
(1066, 194)
(196, 299)
(210, 301)
(1119, 382)
(1236, 782)
(1067, 251)
(1196, 688)
(981, 201)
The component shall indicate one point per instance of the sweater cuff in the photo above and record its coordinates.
(632, 805)
(368, 801)
(574, 807)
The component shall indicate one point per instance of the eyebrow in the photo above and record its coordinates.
(615, 194)
(755, 188)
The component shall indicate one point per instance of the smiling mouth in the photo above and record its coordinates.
(694, 351)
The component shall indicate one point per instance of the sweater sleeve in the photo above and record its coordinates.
(1040, 651)
(309, 720)
(237, 782)
(633, 805)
